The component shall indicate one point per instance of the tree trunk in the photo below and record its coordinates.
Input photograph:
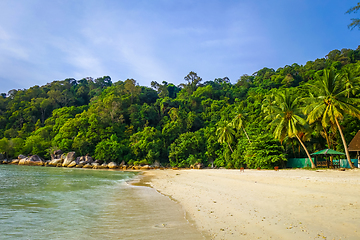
(344, 142)
(230, 148)
(246, 135)
(307, 153)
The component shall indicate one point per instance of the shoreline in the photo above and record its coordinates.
(265, 204)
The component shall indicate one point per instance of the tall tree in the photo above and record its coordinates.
(226, 134)
(238, 122)
(288, 119)
(330, 102)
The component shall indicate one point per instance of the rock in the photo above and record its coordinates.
(145, 167)
(82, 162)
(72, 164)
(199, 165)
(88, 165)
(104, 165)
(63, 156)
(122, 163)
(68, 159)
(95, 165)
(55, 162)
(35, 158)
(88, 159)
(112, 165)
(22, 161)
(21, 156)
(157, 163)
(5, 161)
(15, 161)
(80, 165)
(99, 161)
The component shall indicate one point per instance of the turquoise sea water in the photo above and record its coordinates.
(63, 203)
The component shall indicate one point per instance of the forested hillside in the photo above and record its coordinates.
(259, 121)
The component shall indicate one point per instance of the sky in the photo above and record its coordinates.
(163, 40)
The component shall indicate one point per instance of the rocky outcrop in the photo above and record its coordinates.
(21, 156)
(88, 165)
(95, 165)
(112, 165)
(56, 155)
(72, 164)
(55, 162)
(15, 161)
(68, 159)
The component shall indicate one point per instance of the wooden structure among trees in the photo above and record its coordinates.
(354, 145)
(328, 162)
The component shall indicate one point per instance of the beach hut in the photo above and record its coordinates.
(327, 162)
(354, 145)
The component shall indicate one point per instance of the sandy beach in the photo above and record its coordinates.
(265, 204)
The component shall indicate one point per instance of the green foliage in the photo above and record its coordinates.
(265, 152)
(188, 149)
(212, 122)
(109, 150)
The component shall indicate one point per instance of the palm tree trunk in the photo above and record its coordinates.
(344, 142)
(246, 135)
(307, 153)
(230, 147)
(327, 138)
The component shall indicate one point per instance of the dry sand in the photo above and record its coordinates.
(264, 204)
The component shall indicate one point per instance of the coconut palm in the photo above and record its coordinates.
(352, 81)
(330, 102)
(287, 119)
(226, 133)
(238, 123)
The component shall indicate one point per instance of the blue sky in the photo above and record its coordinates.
(163, 40)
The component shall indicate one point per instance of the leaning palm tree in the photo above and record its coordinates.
(225, 132)
(330, 102)
(238, 122)
(287, 119)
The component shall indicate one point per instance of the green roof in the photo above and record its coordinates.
(327, 152)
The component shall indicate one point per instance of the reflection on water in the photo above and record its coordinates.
(62, 203)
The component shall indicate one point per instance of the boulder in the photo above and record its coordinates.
(122, 163)
(82, 162)
(58, 152)
(72, 164)
(68, 159)
(145, 167)
(88, 159)
(104, 165)
(88, 165)
(15, 161)
(80, 165)
(95, 165)
(35, 158)
(21, 156)
(157, 163)
(198, 166)
(99, 161)
(112, 165)
(55, 162)
(22, 161)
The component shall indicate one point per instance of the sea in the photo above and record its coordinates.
(69, 203)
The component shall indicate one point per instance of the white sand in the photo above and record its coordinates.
(262, 204)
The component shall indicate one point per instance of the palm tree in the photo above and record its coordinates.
(351, 81)
(288, 119)
(225, 132)
(330, 102)
(238, 122)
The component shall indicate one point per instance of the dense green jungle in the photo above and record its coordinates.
(260, 121)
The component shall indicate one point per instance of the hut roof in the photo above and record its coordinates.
(328, 152)
(355, 143)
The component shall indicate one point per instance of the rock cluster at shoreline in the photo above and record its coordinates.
(60, 159)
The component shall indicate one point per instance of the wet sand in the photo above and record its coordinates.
(264, 204)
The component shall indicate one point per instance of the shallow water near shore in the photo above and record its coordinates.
(63, 203)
